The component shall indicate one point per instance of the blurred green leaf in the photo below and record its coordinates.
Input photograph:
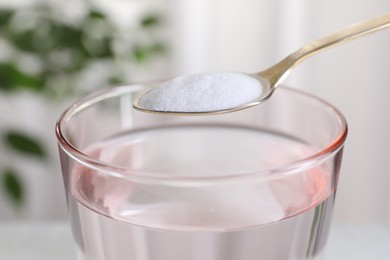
(24, 41)
(5, 16)
(158, 48)
(143, 53)
(96, 14)
(150, 21)
(12, 78)
(23, 143)
(115, 80)
(105, 49)
(99, 48)
(67, 37)
(13, 186)
(67, 49)
(38, 40)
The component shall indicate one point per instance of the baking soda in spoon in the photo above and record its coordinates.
(202, 93)
(228, 92)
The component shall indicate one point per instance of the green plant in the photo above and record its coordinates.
(44, 51)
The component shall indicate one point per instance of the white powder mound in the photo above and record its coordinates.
(203, 92)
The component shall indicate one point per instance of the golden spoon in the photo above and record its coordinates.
(273, 76)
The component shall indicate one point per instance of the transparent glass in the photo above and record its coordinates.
(254, 184)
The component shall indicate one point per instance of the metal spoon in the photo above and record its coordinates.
(273, 76)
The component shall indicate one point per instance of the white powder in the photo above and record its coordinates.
(203, 92)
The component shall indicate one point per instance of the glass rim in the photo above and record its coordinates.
(147, 177)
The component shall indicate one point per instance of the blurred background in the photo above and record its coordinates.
(52, 52)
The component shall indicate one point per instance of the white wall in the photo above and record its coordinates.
(250, 35)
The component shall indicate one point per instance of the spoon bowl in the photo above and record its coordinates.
(272, 77)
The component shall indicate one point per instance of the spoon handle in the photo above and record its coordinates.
(279, 71)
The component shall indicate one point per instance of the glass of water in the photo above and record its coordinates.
(254, 184)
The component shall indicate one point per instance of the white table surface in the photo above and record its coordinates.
(53, 241)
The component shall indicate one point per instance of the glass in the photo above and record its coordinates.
(254, 184)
